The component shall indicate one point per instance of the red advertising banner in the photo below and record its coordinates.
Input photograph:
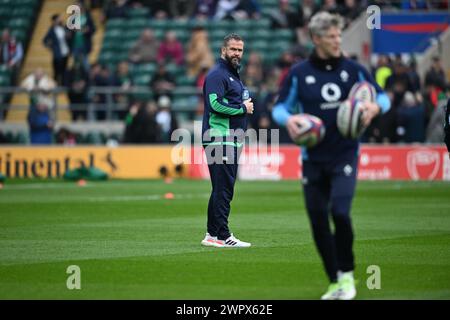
(415, 162)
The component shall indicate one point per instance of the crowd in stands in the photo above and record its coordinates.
(151, 120)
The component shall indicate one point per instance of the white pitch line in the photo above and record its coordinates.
(153, 197)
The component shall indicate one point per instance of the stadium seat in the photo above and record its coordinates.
(22, 12)
(94, 137)
(116, 24)
(137, 23)
(138, 13)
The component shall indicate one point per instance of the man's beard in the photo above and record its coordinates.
(234, 62)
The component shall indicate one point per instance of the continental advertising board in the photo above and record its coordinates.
(51, 162)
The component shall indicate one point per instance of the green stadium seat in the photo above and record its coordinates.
(262, 34)
(94, 137)
(184, 104)
(258, 46)
(142, 80)
(160, 24)
(22, 12)
(21, 138)
(185, 80)
(281, 46)
(113, 34)
(5, 80)
(116, 24)
(148, 68)
(137, 23)
(217, 34)
(180, 25)
(133, 34)
(108, 57)
(283, 34)
(261, 24)
(20, 34)
(138, 13)
(18, 23)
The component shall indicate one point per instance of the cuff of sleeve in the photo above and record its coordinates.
(244, 108)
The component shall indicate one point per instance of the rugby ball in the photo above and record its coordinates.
(349, 119)
(312, 131)
(363, 91)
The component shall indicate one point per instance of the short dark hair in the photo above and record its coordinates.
(54, 17)
(231, 36)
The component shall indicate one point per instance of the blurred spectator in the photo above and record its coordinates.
(141, 126)
(398, 83)
(39, 86)
(199, 82)
(123, 80)
(66, 137)
(225, 8)
(247, 9)
(56, 40)
(100, 76)
(330, 6)
(181, 9)
(81, 40)
(284, 64)
(198, 52)
(415, 5)
(306, 9)
(383, 70)
(435, 83)
(410, 121)
(350, 10)
(171, 49)
(414, 77)
(284, 16)
(254, 73)
(77, 82)
(162, 82)
(435, 76)
(145, 49)
(40, 123)
(159, 9)
(263, 110)
(166, 118)
(11, 52)
(205, 9)
(116, 9)
(435, 130)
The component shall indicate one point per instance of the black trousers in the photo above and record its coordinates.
(329, 189)
(59, 69)
(223, 169)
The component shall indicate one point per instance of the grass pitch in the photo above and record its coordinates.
(132, 243)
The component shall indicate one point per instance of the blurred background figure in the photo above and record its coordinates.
(198, 53)
(39, 85)
(162, 82)
(140, 124)
(171, 50)
(11, 53)
(56, 40)
(40, 122)
(145, 50)
(77, 82)
(166, 119)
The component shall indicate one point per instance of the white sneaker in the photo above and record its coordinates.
(232, 242)
(209, 241)
(347, 286)
(333, 292)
